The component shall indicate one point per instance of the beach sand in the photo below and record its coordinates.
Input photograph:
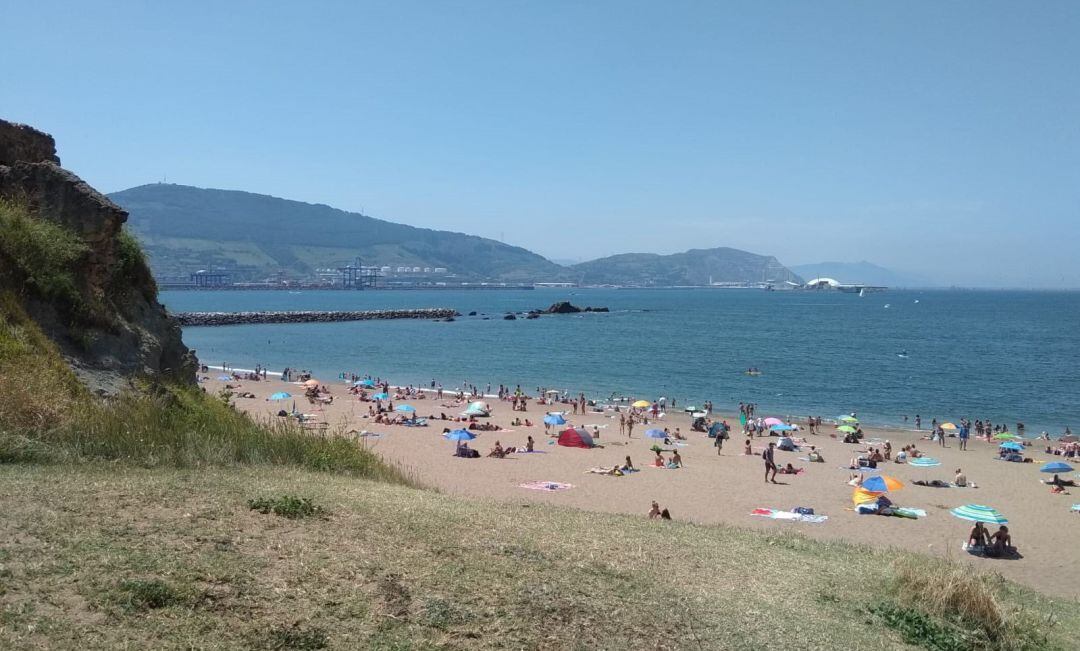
(724, 488)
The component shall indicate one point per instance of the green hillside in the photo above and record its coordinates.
(693, 267)
(184, 228)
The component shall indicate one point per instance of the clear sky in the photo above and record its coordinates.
(936, 137)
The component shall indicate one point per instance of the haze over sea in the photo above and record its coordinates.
(1004, 355)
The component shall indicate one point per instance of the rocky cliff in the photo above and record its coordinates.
(110, 326)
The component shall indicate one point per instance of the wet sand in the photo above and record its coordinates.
(724, 488)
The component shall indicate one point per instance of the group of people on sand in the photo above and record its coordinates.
(656, 513)
(671, 463)
(995, 544)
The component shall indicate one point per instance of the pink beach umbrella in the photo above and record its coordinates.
(769, 422)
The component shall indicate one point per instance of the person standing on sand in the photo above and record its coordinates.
(918, 421)
(622, 423)
(770, 462)
(964, 434)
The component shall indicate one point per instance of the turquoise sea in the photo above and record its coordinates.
(1004, 355)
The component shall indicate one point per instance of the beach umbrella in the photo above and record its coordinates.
(1057, 467)
(848, 419)
(1010, 445)
(978, 513)
(773, 421)
(846, 429)
(405, 408)
(882, 484)
(311, 383)
(948, 426)
(641, 404)
(1006, 436)
(224, 378)
(382, 395)
(924, 462)
(554, 419)
(459, 435)
(863, 496)
(280, 395)
(656, 434)
(366, 382)
(782, 428)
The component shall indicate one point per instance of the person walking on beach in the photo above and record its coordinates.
(918, 421)
(719, 441)
(770, 462)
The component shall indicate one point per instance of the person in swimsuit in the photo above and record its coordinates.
(979, 536)
(770, 462)
(654, 512)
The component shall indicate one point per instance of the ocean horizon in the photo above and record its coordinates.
(1003, 355)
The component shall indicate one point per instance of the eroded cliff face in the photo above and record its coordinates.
(130, 334)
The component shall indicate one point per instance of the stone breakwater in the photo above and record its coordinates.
(245, 318)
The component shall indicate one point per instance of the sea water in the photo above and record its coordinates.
(1004, 355)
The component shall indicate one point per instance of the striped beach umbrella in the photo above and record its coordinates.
(979, 513)
(924, 462)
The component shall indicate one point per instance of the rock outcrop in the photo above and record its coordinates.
(565, 307)
(129, 334)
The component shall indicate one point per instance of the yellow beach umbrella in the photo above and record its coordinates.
(641, 404)
(948, 426)
(863, 496)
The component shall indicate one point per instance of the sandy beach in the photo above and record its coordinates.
(723, 488)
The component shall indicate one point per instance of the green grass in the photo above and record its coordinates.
(41, 256)
(394, 567)
(287, 506)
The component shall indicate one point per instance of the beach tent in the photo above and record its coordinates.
(575, 438)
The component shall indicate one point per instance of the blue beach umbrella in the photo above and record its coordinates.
(405, 408)
(554, 419)
(1009, 445)
(656, 434)
(924, 462)
(381, 396)
(224, 378)
(881, 484)
(367, 382)
(280, 395)
(1057, 467)
(978, 513)
(459, 435)
(782, 428)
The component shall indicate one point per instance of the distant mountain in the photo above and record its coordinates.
(863, 272)
(693, 267)
(184, 229)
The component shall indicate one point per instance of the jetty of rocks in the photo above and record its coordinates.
(246, 318)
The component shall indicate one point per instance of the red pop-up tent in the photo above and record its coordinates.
(576, 438)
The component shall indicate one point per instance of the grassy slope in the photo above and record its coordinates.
(392, 567)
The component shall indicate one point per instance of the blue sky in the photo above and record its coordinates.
(941, 138)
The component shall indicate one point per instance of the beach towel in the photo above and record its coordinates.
(904, 512)
(1075, 508)
(546, 486)
(777, 514)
